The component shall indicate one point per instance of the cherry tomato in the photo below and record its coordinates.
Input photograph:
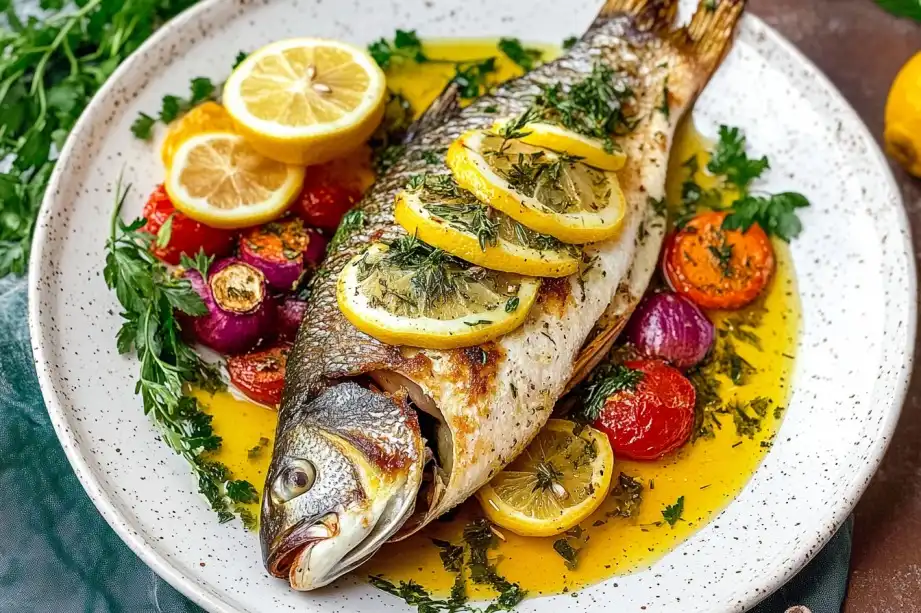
(654, 418)
(186, 235)
(330, 190)
(260, 374)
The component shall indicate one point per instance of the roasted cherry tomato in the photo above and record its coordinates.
(717, 268)
(331, 189)
(186, 235)
(260, 374)
(653, 418)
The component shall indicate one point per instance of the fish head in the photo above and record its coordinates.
(344, 477)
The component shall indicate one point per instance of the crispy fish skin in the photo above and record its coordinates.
(492, 400)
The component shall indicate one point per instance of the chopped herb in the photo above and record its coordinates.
(352, 222)
(658, 206)
(241, 55)
(569, 553)
(143, 125)
(672, 513)
(472, 78)
(627, 495)
(711, 5)
(202, 262)
(150, 296)
(443, 198)
(430, 157)
(606, 381)
(256, 451)
(492, 108)
(570, 42)
(749, 417)
(246, 516)
(479, 322)
(404, 47)
(511, 305)
(527, 58)
(547, 476)
(416, 596)
(664, 107)
(723, 255)
(452, 556)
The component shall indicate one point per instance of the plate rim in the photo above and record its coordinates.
(203, 594)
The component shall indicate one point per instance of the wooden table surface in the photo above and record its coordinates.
(861, 48)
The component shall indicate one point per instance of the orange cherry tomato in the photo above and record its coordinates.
(717, 268)
(654, 418)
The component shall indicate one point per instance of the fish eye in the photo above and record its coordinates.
(294, 480)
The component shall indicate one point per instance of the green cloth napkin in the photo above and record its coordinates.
(58, 555)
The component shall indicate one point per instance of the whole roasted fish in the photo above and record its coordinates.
(375, 441)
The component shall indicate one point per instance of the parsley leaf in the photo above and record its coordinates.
(776, 214)
(202, 262)
(570, 42)
(569, 553)
(672, 513)
(405, 46)
(730, 159)
(241, 55)
(472, 78)
(526, 57)
(150, 295)
(143, 126)
(902, 8)
(171, 106)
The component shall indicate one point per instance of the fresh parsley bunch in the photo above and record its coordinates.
(50, 67)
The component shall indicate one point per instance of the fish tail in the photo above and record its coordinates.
(709, 34)
(649, 15)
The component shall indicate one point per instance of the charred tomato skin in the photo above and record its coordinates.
(653, 419)
(260, 375)
(187, 235)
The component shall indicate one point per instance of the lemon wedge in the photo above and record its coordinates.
(217, 178)
(590, 151)
(306, 100)
(550, 193)
(206, 117)
(434, 209)
(409, 293)
(557, 483)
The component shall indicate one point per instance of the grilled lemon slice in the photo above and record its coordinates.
(557, 483)
(409, 293)
(557, 138)
(434, 209)
(550, 193)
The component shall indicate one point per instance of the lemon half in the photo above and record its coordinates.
(550, 193)
(555, 484)
(408, 293)
(217, 178)
(306, 100)
(438, 212)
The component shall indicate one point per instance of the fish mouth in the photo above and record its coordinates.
(296, 544)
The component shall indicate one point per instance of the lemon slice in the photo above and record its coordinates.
(408, 293)
(548, 192)
(557, 483)
(217, 178)
(557, 138)
(306, 100)
(206, 117)
(438, 212)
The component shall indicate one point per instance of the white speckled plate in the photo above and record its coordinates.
(854, 263)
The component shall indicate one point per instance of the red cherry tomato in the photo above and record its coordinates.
(329, 191)
(187, 235)
(654, 418)
(260, 374)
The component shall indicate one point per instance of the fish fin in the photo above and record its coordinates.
(446, 105)
(649, 15)
(709, 34)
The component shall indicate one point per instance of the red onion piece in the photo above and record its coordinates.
(290, 314)
(671, 327)
(239, 307)
(282, 250)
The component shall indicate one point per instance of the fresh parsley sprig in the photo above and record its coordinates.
(902, 8)
(151, 296)
(528, 58)
(404, 47)
(171, 106)
(49, 70)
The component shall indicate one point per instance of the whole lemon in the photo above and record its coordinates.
(902, 135)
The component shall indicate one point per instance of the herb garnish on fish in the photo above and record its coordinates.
(605, 381)
(150, 296)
